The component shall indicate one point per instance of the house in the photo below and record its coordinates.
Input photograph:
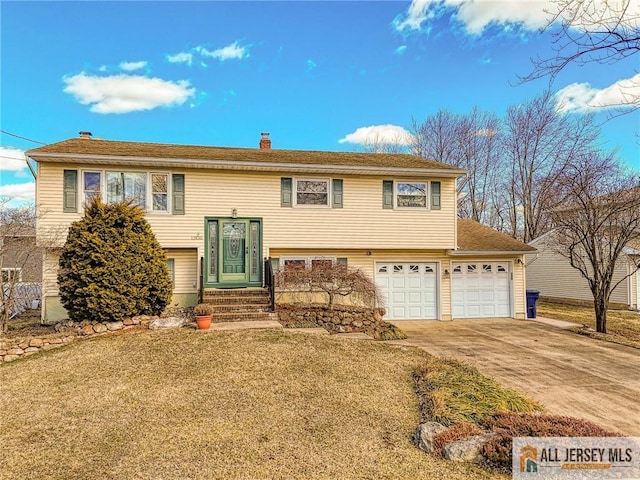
(551, 274)
(20, 267)
(221, 212)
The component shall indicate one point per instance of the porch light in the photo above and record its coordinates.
(234, 213)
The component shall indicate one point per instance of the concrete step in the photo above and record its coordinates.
(229, 300)
(244, 317)
(242, 307)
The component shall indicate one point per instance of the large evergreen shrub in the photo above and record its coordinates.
(112, 266)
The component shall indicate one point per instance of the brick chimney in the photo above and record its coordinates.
(265, 143)
(85, 135)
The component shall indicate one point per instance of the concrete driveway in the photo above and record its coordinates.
(568, 373)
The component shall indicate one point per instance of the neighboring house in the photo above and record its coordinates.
(21, 260)
(231, 209)
(551, 274)
(21, 267)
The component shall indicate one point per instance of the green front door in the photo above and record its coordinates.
(233, 252)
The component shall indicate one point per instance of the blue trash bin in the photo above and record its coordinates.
(532, 299)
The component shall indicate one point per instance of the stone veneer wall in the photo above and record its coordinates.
(67, 332)
(339, 319)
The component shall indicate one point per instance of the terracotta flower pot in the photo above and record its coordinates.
(203, 321)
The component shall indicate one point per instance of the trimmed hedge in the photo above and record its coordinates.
(112, 266)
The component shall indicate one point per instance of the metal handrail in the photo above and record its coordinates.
(201, 281)
(270, 282)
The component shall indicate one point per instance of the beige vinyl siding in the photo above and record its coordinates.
(186, 269)
(551, 274)
(361, 223)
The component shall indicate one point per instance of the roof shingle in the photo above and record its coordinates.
(83, 146)
(475, 237)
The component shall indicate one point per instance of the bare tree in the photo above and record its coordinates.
(591, 31)
(538, 145)
(19, 258)
(378, 144)
(596, 222)
(331, 279)
(467, 141)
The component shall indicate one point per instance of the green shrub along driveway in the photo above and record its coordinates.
(569, 374)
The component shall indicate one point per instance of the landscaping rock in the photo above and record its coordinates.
(423, 437)
(11, 358)
(113, 326)
(168, 322)
(468, 449)
(86, 330)
(36, 342)
(15, 351)
(31, 350)
(100, 328)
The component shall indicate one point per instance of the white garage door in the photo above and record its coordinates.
(481, 290)
(409, 288)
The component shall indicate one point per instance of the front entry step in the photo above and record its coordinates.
(240, 304)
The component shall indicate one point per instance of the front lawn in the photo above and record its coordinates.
(187, 404)
(623, 326)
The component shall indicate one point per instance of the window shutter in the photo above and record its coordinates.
(435, 195)
(337, 193)
(178, 194)
(70, 191)
(285, 192)
(342, 261)
(387, 194)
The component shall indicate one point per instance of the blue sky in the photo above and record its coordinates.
(316, 75)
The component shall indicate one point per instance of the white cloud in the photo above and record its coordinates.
(384, 134)
(182, 57)
(401, 49)
(230, 52)
(475, 15)
(12, 159)
(131, 66)
(127, 93)
(582, 97)
(233, 51)
(19, 193)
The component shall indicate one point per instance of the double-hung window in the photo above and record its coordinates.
(91, 185)
(411, 194)
(311, 192)
(314, 192)
(160, 192)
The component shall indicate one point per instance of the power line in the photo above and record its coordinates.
(11, 158)
(20, 137)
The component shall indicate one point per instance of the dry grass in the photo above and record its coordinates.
(234, 405)
(453, 392)
(623, 326)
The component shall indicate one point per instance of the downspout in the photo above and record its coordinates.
(33, 172)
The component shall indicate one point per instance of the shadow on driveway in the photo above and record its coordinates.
(569, 374)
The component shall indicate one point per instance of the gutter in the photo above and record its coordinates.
(245, 165)
(488, 252)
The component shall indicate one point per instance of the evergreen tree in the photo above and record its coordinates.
(112, 266)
